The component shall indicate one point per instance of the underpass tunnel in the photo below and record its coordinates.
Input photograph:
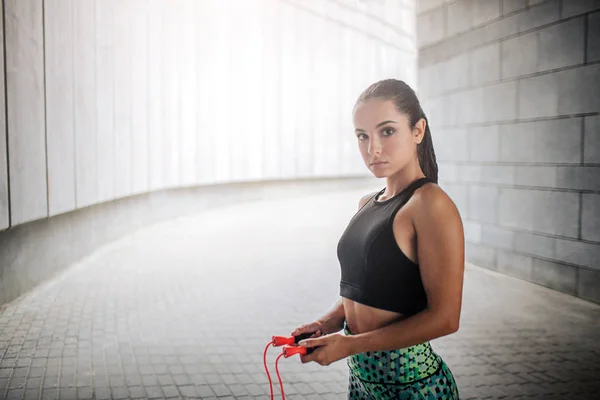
(175, 177)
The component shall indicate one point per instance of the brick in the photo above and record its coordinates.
(593, 37)
(574, 96)
(430, 27)
(428, 5)
(516, 208)
(451, 144)
(590, 217)
(535, 244)
(578, 178)
(503, 28)
(447, 172)
(589, 285)
(469, 174)
(486, 11)
(483, 143)
(455, 72)
(578, 253)
(485, 64)
(472, 106)
(562, 45)
(547, 220)
(497, 237)
(515, 265)
(591, 147)
(539, 15)
(483, 203)
(427, 82)
(556, 276)
(480, 255)
(542, 176)
(501, 175)
(548, 141)
(575, 7)
(460, 196)
(472, 231)
(539, 96)
(500, 102)
(459, 16)
(510, 6)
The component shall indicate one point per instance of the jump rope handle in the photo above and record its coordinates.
(290, 344)
(303, 336)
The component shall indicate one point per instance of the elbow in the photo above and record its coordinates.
(451, 325)
(447, 324)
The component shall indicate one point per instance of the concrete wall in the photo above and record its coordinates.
(511, 91)
(111, 98)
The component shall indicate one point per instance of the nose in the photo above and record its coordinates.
(374, 146)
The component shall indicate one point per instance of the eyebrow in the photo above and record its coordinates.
(378, 125)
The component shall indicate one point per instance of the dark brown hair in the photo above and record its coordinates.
(407, 103)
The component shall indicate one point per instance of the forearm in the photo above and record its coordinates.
(335, 317)
(411, 331)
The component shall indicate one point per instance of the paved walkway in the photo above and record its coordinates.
(185, 309)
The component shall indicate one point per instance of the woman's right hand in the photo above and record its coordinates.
(318, 327)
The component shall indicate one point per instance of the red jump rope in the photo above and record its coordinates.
(290, 348)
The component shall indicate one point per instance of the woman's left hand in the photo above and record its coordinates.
(331, 348)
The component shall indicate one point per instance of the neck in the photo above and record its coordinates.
(400, 180)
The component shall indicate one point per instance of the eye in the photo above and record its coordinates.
(361, 136)
(388, 131)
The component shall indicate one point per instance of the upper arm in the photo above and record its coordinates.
(440, 246)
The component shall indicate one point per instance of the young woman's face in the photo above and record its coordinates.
(386, 141)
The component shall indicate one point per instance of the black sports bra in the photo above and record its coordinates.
(375, 272)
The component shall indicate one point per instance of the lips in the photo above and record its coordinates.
(378, 162)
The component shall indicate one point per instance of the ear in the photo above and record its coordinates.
(419, 130)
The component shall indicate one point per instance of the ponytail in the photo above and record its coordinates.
(426, 155)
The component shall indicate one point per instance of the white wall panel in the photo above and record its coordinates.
(105, 97)
(271, 37)
(221, 127)
(4, 203)
(320, 96)
(171, 105)
(189, 93)
(123, 97)
(59, 106)
(304, 107)
(288, 92)
(204, 66)
(140, 100)
(239, 61)
(25, 109)
(254, 141)
(84, 78)
(155, 53)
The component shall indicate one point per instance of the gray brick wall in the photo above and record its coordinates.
(510, 88)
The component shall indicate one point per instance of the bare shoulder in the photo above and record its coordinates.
(365, 199)
(432, 202)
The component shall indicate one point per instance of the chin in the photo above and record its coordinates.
(379, 175)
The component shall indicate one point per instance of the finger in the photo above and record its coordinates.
(298, 330)
(308, 358)
(312, 342)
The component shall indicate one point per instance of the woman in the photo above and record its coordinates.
(401, 258)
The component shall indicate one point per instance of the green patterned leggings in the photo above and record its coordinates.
(412, 373)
